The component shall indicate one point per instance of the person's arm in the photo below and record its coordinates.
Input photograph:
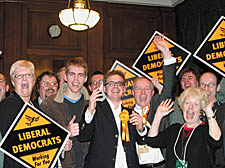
(87, 124)
(164, 109)
(169, 85)
(157, 85)
(214, 129)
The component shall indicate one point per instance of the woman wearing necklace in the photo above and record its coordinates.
(192, 144)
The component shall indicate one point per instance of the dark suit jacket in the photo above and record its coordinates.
(102, 133)
(169, 91)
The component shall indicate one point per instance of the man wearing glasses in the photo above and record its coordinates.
(111, 128)
(96, 79)
(47, 85)
(208, 82)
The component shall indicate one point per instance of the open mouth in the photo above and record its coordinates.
(190, 115)
(25, 86)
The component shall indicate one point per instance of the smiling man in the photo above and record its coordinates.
(110, 146)
(208, 81)
(66, 108)
(47, 85)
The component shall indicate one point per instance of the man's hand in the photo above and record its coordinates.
(73, 128)
(156, 83)
(161, 44)
(93, 98)
(136, 119)
(68, 145)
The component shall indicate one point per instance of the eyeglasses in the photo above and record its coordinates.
(97, 82)
(209, 85)
(49, 83)
(147, 89)
(118, 84)
(21, 76)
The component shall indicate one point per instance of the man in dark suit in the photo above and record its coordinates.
(147, 103)
(111, 128)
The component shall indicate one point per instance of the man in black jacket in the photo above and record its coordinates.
(111, 128)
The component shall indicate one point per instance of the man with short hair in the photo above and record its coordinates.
(4, 87)
(47, 85)
(188, 78)
(208, 81)
(66, 108)
(96, 79)
(111, 128)
(147, 103)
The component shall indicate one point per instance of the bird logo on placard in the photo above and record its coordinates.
(223, 31)
(31, 119)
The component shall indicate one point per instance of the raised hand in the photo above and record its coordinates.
(93, 98)
(73, 128)
(161, 44)
(165, 108)
(156, 83)
(136, 119)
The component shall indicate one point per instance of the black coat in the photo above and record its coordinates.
(102, 133)
(9, 109)
(169, 91)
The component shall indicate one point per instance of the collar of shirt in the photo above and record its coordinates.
(138, 109)
(113, 106)
(39, 100)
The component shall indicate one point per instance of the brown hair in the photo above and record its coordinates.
(114, 72)
(77, 61)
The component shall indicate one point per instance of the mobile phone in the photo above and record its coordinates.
(103, 93)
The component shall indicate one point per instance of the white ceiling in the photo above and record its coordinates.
(166, 3)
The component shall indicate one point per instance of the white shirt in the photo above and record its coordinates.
(151, 155)
(120, 161)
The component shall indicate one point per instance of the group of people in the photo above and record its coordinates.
(161, 130)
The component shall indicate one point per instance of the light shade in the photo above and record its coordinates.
(80, 17)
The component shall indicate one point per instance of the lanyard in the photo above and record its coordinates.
(185, 148)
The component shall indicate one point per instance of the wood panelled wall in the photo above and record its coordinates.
(121, 34)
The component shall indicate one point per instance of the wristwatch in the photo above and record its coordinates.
(209, 118)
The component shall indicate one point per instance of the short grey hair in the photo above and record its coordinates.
(21, 63)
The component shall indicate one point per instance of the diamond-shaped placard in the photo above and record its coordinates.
(212, 50)
(34, 139)
(149, 62)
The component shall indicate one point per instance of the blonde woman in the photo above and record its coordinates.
(194, 143)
